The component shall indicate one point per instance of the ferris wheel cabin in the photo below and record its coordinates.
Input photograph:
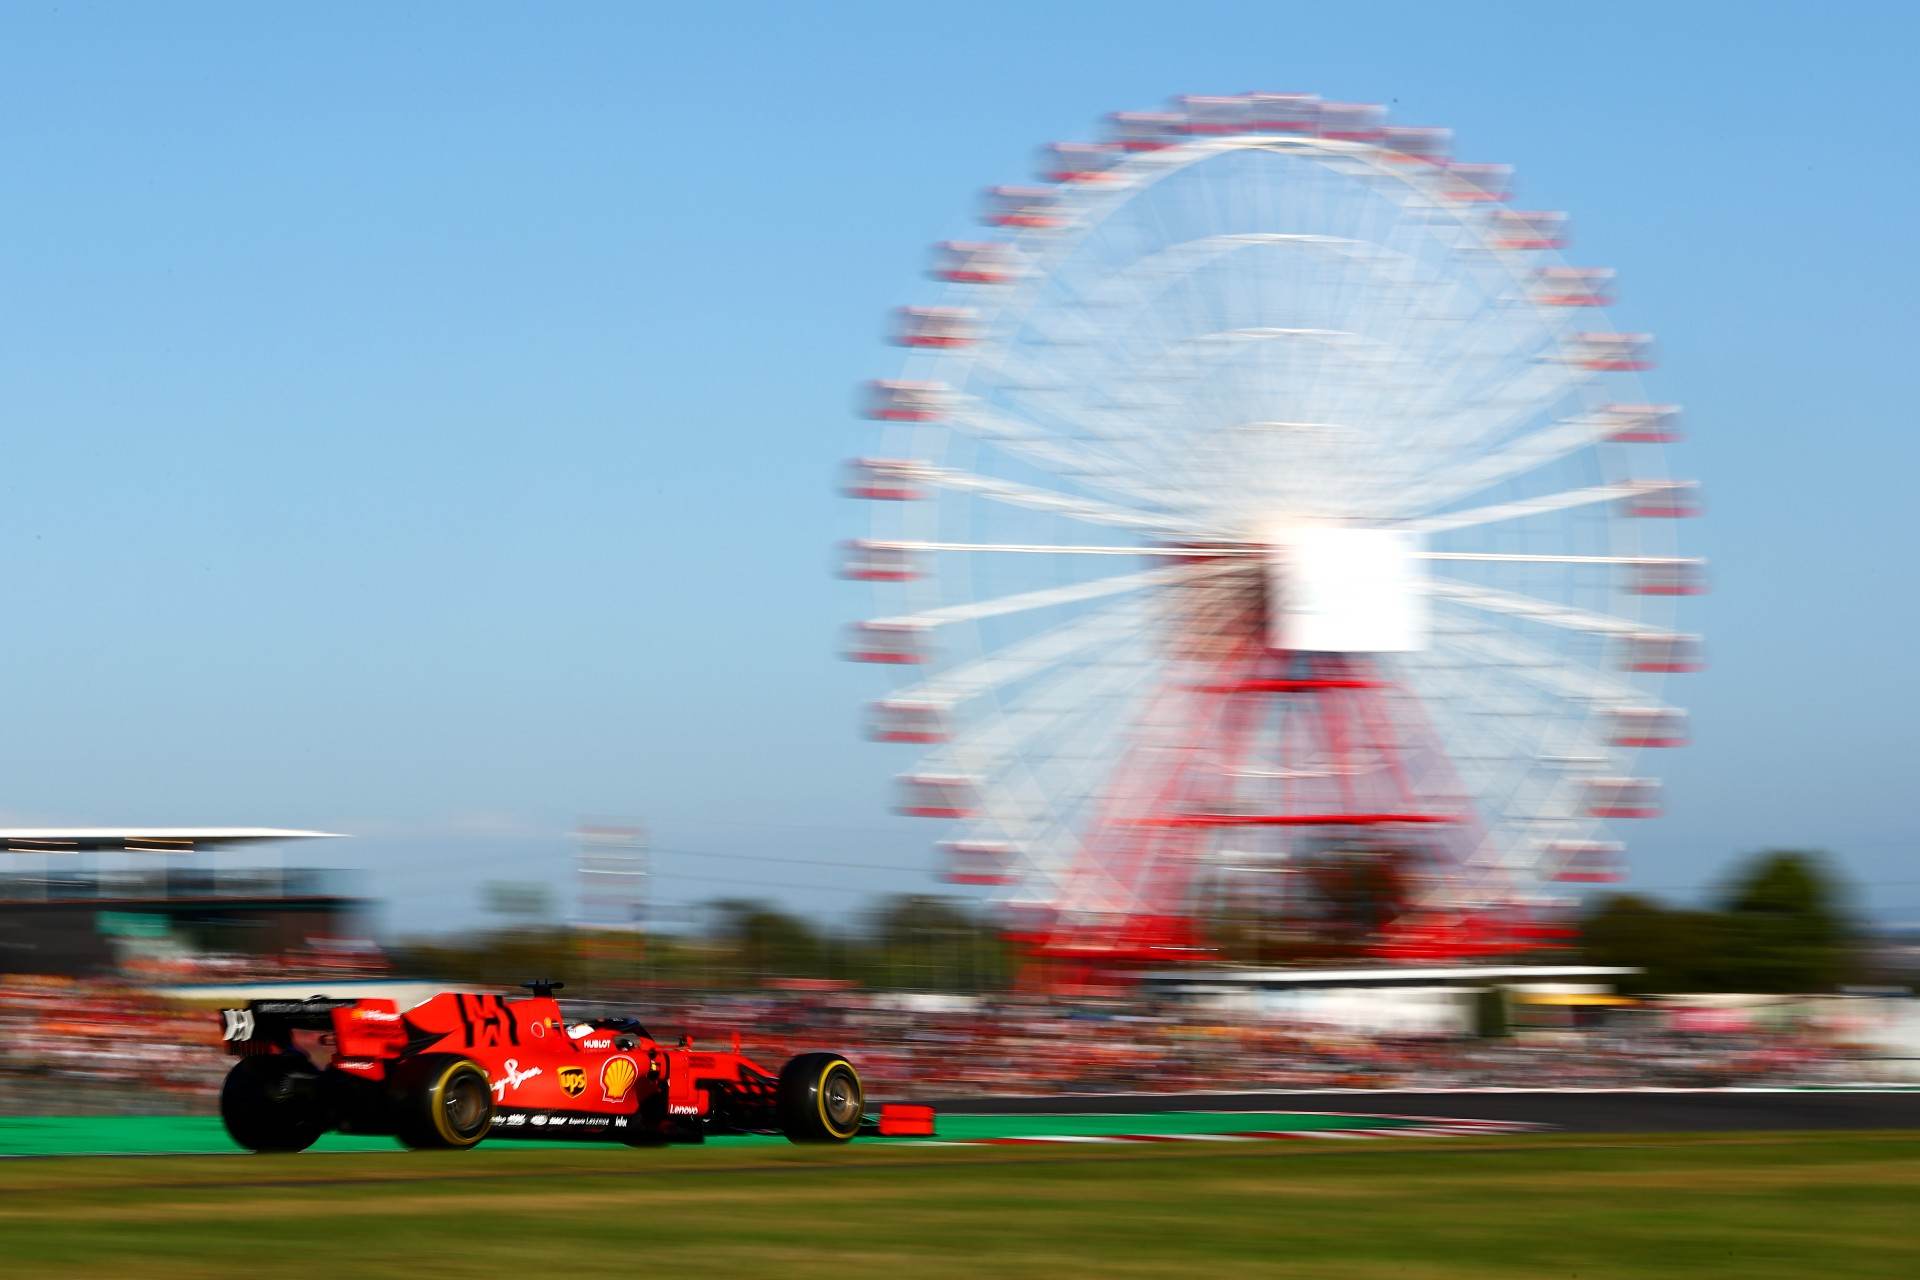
(1024, 208)
(1649, 727)
(967, 262)
(1353, 121)
(1573, 286)
(1643, 423)
(1585, 861)
(888, 643)
(1144, 130)
(934, 327)
(907, 720)
(938, 795)
(1664, 500)
(988, 862)
(1623, 797)
(884, 479)
(1527, 229)
(906, 401)
(1079, 161)
(1664, 652)
(1427, 146)
(864, 560)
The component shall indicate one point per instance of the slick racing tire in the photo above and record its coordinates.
(268, 1103)
(442, 1102)
(819, 1099)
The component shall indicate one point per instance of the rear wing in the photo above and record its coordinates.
(267, 1026)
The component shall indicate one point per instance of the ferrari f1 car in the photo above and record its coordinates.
(459, 1068)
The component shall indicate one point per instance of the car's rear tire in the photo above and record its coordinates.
(267, 1103)
(819, 1099)
(442, 1102)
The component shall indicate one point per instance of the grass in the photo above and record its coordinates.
(1751, 1206)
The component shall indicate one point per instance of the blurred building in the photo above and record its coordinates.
(1402, 999)
(80, 901)
(87, 922)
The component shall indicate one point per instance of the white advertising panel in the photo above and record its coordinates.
(1342, 589)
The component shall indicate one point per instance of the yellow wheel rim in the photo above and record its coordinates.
(847, 1105)
(437, 1101)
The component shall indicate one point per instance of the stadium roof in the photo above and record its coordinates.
(143, 839)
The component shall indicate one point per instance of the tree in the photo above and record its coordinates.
(917, 940)
(1679, 950)
(1778, 926)
(765, 941)
(1784, 926)
(522, 903)
(1344, 897)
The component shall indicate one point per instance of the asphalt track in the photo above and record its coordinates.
(1196, 1116)
(1571, 1111)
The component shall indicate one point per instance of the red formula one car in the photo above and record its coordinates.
(459, 1068)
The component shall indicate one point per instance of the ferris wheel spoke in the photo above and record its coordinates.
(1014, 494)
(1501, 557)
(1029, 806)
(1091, 467)
(1059, 698)
(1046, 598)
(1491, 730)
(1534, 610)
(1524, 454)
(1530, 662)
(1099, 626)
(1086, 466)
(1546, 504)
(1020, 795)
(1061, 549)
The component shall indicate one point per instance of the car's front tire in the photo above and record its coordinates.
(819, 1099)
(268, 1103)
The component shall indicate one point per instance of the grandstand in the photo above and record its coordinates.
(94, 901)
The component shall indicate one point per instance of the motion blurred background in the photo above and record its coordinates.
(424, 427)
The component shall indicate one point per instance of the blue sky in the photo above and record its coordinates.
(423, 423)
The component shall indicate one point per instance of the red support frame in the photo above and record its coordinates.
(1181, 779)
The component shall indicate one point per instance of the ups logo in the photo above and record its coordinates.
(573, 1080)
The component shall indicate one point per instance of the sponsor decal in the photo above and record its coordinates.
(684, 1109)
(374, 1015)
(573, 1081)
(487, 1021)
(539, 1030)
(516, 1119)
(617, 1077)
(354, 1064)
(619, 1122)
(539, 1120)
(597, 1044)
(236, 1024)
(513, 1079)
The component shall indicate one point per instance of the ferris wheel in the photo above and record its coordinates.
(1266, 487)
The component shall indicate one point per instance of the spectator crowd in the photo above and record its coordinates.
(87, 1046)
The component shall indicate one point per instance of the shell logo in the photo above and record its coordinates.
(617, 1077)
